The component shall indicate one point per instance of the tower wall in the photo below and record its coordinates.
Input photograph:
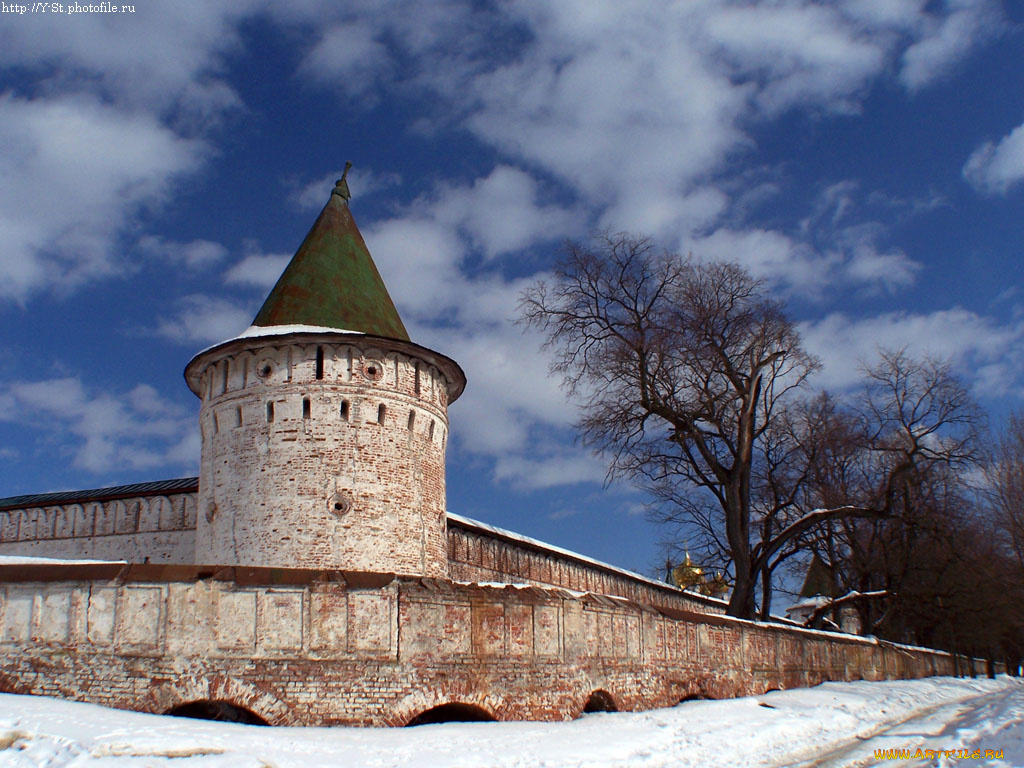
(323, 451)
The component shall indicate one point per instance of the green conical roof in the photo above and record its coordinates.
(332, 281)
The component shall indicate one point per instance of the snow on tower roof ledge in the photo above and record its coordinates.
(259, 331)
(254, 331)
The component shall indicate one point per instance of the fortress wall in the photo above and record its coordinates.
(483, 555)
(162, 529)
(316, 648)
(155, 529)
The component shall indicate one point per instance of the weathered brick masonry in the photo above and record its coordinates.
(332, 586)
(152, 522)
(128, 528)
(303, 647)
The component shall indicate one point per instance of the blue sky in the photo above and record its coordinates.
(864, 157)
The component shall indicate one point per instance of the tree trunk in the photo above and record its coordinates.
(766, 594)
(742, 603)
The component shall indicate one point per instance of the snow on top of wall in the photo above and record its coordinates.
(28, 560)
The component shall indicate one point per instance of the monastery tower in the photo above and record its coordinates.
(323, 426)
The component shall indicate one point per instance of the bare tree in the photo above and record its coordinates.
(904, 451)
(683, 369)
(1005, 484)
(1004, 495)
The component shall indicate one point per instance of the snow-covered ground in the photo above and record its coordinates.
(835, 724)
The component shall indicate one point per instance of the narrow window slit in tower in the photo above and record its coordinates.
(319, 362)
(238, 416)
(412, 420)
(430, 434)
(416, 385)
(270, 411)
(381, 411)
(305, 408)
(344, 410)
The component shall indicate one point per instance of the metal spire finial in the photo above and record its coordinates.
(341, 187)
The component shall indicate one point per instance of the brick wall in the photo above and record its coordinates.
(156, 529)
(313, 648)
(484, 554)
(162, 529)
(322, 451)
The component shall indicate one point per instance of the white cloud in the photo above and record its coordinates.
(418, 258)
(194, 255)
(349, 57)
(420, 252)
(549, 471)
(119, 108)
(984, 350)
(667, 213)
(510, 398)
(891, 270)
(995, 167)
(105, 432)
(832, 205)
(619, 106)
(942, 41)
(75, 171)
(501, 214)
(200, 319)
(167, 55)
(801, 53)
(509, 393)
(258, 269)
(643, 101)
(771, 256)
(833, 247)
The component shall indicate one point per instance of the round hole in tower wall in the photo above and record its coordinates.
(339, 504)
(373, 370)
(265, 369)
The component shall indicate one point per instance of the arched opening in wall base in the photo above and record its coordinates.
(7, 685)
(453, 713)
(224, 711)
(694, 697)
(600, 701)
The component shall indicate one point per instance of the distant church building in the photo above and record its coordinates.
(813, 606)
(312, 575)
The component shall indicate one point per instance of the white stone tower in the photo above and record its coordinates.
(324, 427)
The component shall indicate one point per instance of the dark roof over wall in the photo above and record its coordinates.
(156, 488)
